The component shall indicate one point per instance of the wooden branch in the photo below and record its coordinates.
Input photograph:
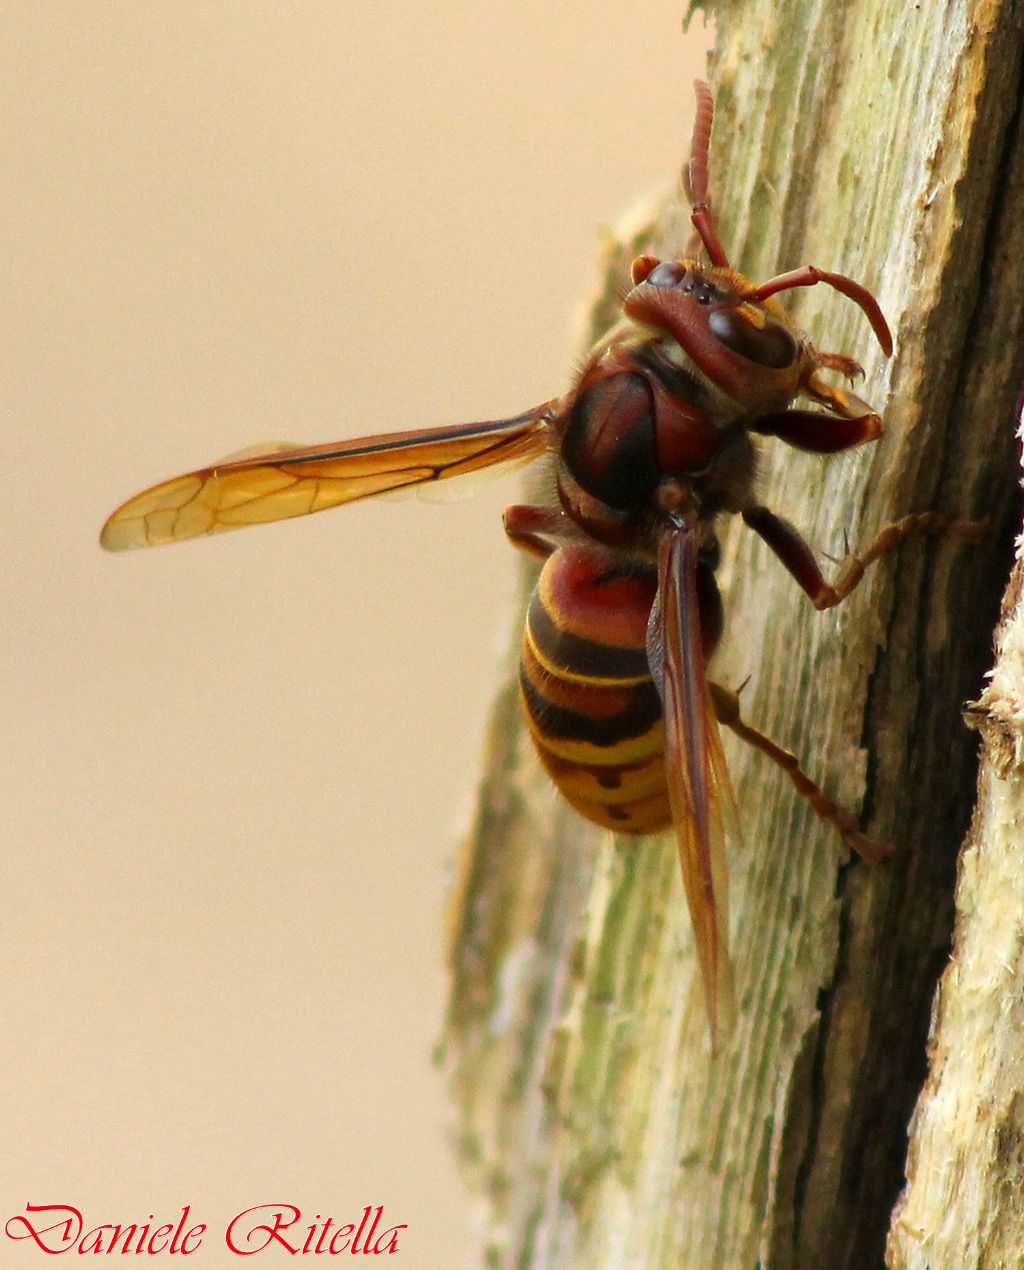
(962, 1205)
(880, 139)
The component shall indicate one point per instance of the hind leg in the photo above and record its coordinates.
(727, 710)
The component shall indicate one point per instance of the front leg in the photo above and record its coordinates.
(792, 549)
(537, 530)
(821, 433)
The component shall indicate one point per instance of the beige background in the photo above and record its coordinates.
(226, 223)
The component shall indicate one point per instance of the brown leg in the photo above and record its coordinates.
(537, 530)
(796, 555)
(727, 711)
(820, 433)
(851, 570)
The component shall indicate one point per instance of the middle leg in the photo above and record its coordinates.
(792, 550)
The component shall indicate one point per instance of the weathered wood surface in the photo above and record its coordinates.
(880, 139)
(964, 1202)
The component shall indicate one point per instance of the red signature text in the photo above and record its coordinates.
(59, 1228)
(282, 1225)
(56, 1228)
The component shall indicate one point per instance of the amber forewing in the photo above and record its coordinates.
(299, 481)
(700, 793)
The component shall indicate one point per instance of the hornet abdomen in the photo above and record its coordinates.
(591, 705)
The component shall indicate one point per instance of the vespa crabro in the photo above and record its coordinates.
(652, 441)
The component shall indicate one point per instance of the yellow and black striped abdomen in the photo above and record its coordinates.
(591, 705)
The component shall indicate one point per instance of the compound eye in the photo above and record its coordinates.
(667, 274)
(755, 336)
